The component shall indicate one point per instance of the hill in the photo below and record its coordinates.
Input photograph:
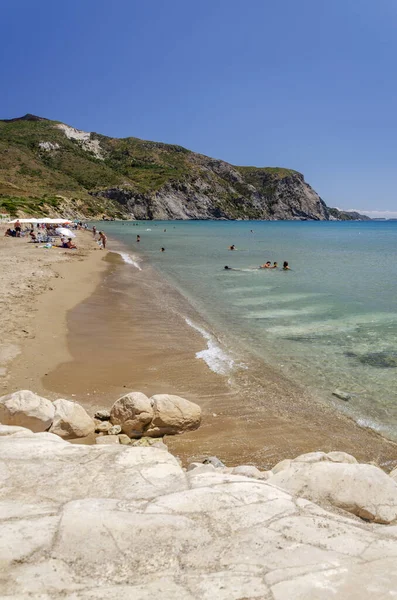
(47, 168)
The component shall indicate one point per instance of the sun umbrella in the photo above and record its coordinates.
(66, 232)
(32, 220)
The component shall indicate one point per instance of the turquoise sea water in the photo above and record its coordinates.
(330, 322)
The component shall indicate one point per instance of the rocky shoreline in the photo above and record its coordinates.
(122, 516)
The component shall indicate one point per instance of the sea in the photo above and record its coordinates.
(329, 323)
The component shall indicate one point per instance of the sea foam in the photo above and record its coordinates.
(214, 357)
(127, 258)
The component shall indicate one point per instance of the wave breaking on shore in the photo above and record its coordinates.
(216, 359)
(127, 258)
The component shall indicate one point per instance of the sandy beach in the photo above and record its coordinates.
(87, 326)
(39, 287)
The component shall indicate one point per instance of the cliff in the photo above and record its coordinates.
(47, 167)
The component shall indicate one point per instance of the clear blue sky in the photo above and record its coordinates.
(305, 84)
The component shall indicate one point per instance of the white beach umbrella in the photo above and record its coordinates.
(66, 232)
(32, 220)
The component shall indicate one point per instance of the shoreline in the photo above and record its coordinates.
(39, 331)
(69, 353)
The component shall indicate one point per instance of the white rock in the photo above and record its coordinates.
(363, 490)
(103, 426)
(114, 430)
(312, 457)
(71, 420)
(338, 457)
(200, 468)
(26, 409)
(280, 466)
(247, 471)
(41, 435)
(393, 474)
(133, 412)
(11, 429)
(91, 522)
(124, 439)
(342, 395)
(102, 415)
(265, 475)
(193, 465)
(173, 415)
(107, 439)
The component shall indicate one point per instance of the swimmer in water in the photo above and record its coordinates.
(275, 266)
(285, 266)
(162, 249)
(267, 265)
(233, 247)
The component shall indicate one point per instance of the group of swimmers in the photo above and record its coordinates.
(267, 265)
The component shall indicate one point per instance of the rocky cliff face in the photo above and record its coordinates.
(221, 191)
(48, 166)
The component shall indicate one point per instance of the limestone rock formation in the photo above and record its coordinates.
(173, 415)
(91, 522)
(133, 412)
(71, 420)
(163, 414)
(26, 409)
(363, 490)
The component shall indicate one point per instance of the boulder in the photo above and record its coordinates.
(133, 412)
(338, 457)
(280, 466)
(247, 471)
(71, 420)
(108, 439)
(11, 429)
(214, 461)
(393, 474)
(144, 441)
(114, 430)
(312, 457)
(200, 468)
(172, 415)
(103, 426)
(364, 490)
(26, 409)
(124, 439)
(102, 415)
(341, 395)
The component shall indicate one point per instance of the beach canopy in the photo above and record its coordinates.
(64, 231)
(43, 220)
(32, 220)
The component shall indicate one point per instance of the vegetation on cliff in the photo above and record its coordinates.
(47, 167)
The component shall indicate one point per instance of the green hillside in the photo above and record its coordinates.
(47, 167)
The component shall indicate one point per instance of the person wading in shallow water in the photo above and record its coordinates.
(286, 266)
(103, 239)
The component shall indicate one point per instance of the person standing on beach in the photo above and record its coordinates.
(94, 231)
(18, 227)
(103, 239)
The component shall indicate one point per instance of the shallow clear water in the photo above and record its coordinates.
(330, 322)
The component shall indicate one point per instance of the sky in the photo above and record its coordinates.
(305, 84)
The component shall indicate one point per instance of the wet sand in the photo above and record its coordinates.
(130, 334)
